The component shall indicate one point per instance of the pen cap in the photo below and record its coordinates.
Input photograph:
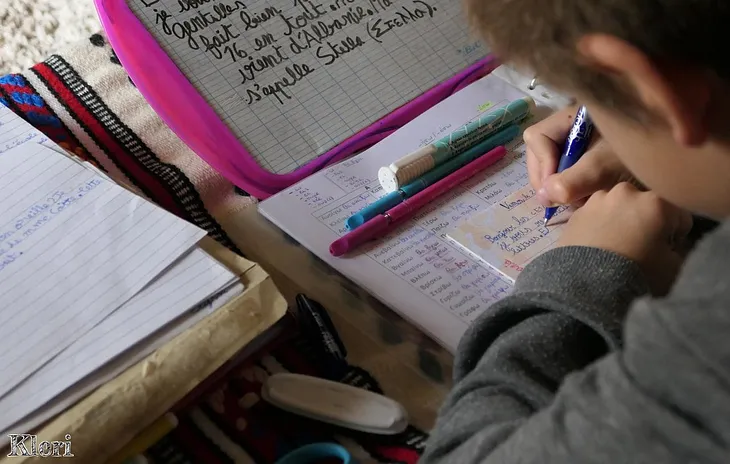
(409, 167)
(372, 229)
(387, 179)
(373, 209)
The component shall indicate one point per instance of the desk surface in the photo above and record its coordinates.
(110, 416)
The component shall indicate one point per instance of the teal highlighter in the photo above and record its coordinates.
(434, 175)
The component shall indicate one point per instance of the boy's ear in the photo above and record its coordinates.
(680, 96)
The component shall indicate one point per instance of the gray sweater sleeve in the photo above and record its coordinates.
(558, 373)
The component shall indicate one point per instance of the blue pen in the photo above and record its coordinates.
(575, 146)
(390, 200)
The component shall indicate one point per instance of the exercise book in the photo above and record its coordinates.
(119, 364)
(417, 270)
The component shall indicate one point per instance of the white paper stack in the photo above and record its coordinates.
(92, 277)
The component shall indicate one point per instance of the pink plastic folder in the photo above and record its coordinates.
(190, 115)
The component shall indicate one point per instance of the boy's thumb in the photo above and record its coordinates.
(581, 180)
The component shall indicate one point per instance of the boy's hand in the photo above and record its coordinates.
(598, 169)
(637, 225)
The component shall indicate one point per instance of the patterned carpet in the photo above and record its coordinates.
(32, 29)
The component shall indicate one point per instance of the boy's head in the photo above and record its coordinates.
(654, 74)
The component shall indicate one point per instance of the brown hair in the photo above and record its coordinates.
(542, 35)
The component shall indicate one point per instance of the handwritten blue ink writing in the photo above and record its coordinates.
(37, 216)
(524, 196)
(18, 142)
(411, 238)
(311, 198)
(9, 259)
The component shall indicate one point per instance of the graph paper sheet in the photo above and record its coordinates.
(294, 78)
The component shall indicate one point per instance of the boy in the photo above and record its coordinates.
(580, 364)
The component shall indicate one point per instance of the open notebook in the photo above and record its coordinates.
(417, 270)
(89, 273)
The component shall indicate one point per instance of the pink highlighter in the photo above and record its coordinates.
(384, 223)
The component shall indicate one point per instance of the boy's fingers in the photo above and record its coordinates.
(543, 149)
(589, 175)
(533, 170)
(544, 140)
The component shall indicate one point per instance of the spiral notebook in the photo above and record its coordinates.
(417, 270)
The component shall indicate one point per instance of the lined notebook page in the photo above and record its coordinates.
(416, 270)
(14, 131)
(194, 279)
(119, 364)
(73, 248)
(293, 78)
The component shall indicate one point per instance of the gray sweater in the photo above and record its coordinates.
(576, 366)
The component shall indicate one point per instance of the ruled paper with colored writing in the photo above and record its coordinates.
(74, 247)
(195, 278)
(121, 363)
(15, 132)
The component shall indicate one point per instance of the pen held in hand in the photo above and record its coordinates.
(384, 223)
(575, 146)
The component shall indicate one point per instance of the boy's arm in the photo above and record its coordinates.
(639, 403)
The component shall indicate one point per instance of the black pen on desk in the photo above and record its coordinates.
(575, 146)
